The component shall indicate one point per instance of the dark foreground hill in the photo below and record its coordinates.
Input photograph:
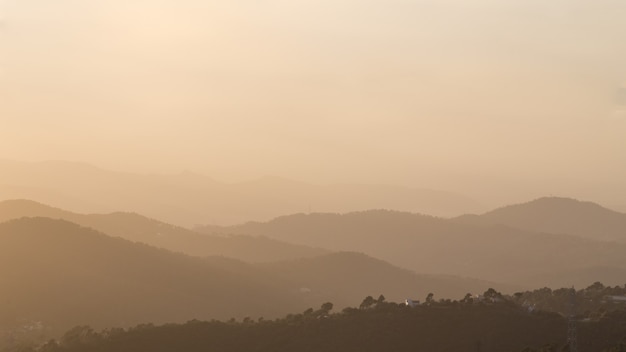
(60, 274)
(427, 244)
(383, 326)
(558, 215)
(135, 227)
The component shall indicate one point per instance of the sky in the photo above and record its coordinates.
(523, 97)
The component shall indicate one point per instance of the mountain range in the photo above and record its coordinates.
(188, 198)
(560, 216)
(138, 228)
(64, 268)
(62, 274)
(485, 249)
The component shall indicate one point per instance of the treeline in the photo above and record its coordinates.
(592, 302)
(498, 324)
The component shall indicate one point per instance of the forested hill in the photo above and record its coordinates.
(375, 326)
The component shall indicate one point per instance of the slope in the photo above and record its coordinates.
(64, 275)
(558, 215)
(432, 245)
(187, 199)
(348, 277)
(138, 228)
(385, 327)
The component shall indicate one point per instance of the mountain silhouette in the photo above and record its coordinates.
(188, 198)
(558, 215)
(427, 244)
(64, 275)
(138, 228)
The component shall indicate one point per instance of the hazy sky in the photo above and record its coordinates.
(451, 94)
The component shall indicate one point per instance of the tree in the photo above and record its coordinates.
(79, 335)
(492, 294)
(327, 307)
(468, 298)
(367, 302)
(430, 298)
(50, 346)
(596, 286)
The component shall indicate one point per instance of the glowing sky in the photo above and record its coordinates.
(470, 96)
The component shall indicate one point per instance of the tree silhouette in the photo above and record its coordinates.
(468, 298)
(430, 298)
(327, 307)
(367, 302)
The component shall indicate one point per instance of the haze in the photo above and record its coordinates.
(502, 101)
(299, 175)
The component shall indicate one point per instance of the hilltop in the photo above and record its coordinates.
(427, 244)
(138, 228)
(61, 274)
(560, 216)
(64, 275)
(377, 326)
(187, 198)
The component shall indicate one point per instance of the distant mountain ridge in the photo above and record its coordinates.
(427, 244)
(138, 228)
(560, 216)
(188, 199)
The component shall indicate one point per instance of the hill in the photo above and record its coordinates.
(347, 277)
(138, 228)
(384, 326)
(187, 199)
(432, 245)
(62, 275)
(558, 215)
